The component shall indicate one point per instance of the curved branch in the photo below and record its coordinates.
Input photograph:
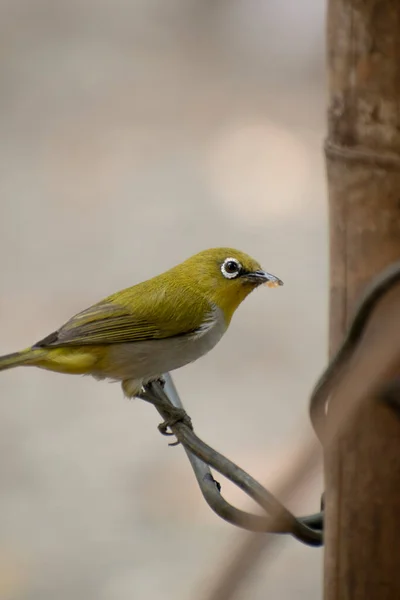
(335, 370)
(279, 520)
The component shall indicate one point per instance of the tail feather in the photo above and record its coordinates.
(17, 359)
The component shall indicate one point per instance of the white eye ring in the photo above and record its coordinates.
(230, 274)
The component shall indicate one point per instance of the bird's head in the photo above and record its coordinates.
(225, 277)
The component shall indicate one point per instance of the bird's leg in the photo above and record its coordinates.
(154, 392)
(177, 415)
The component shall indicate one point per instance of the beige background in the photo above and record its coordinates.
(134, 134)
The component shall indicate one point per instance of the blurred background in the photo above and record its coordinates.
(134, 134)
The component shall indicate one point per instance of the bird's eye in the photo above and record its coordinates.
(231, 268)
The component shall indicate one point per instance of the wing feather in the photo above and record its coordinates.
(110, 323)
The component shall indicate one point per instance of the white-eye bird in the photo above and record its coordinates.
(137, 334)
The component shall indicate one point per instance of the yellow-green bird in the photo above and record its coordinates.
(137, 334)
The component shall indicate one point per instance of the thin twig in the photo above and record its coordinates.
(252, 548)
(211, 489)
(280, 520)
(340, 363)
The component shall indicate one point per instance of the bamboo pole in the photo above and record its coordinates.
(362, 468)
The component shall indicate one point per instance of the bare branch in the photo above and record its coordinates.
(360, 361)
(279, 519)
(252, 548)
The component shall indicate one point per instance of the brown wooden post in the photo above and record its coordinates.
(362, 469)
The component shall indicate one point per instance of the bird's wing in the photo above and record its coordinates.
(111, 323)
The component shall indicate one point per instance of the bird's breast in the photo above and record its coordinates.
(146, 359)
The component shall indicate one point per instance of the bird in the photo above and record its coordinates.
(137, 334)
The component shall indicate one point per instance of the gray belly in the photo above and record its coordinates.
(147, 360)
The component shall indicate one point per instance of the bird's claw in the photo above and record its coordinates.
(177, 415)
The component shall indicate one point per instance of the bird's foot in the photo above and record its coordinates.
(176, 415)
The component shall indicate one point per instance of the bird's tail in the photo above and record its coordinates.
(18, 359)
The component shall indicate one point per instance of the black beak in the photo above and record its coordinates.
(264, 277)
